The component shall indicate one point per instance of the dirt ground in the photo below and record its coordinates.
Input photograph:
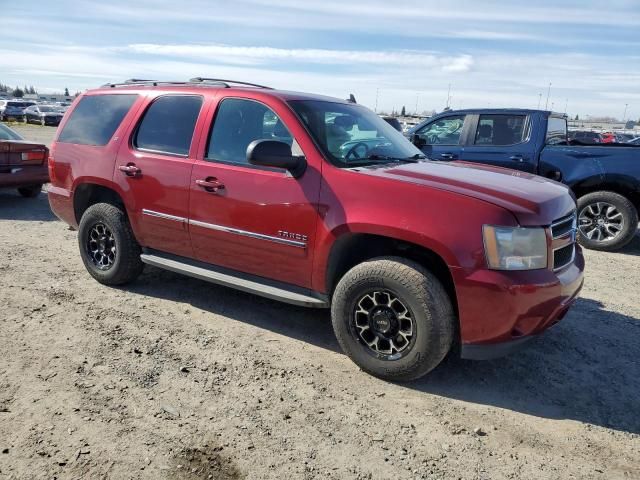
(174, 378)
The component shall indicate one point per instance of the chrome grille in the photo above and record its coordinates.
(564, 225)
(563, 233)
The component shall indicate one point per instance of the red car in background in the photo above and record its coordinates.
(609, 138)
(23, 164)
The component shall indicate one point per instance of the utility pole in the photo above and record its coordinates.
(546, 105)
(566, 104)
(449, 97)
(624, 117)
(377, 92)
(417, 98)
(539, 100)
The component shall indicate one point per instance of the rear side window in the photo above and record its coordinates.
(501, 130)
(168, 124)
(557, 131)
(95, 119)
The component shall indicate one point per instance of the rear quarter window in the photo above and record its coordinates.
(95, 119)
(557, 131)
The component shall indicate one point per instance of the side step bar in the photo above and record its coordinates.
(240, 281)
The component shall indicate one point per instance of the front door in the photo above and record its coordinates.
(501, 140)
(252, 219)
(153, 170)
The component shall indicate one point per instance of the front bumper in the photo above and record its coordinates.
(500, 312)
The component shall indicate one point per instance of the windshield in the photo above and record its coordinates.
(7, 134)
(352, 135)
(48, 109)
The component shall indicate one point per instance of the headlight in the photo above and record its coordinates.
(515, 248)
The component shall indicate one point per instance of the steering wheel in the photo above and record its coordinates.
(353, 154)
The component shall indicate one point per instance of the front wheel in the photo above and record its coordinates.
(108, 248)
(606, 221)
(393, 318)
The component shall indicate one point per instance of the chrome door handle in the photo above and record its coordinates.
(211, 185)
(517, 158)
(447, 156)
(130, 170)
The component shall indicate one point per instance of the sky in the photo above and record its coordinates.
(388, 54)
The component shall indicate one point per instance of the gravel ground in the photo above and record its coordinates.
(173, 378)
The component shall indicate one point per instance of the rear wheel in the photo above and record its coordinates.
(108, 247)
(393, 318)
(606, 221)
(30, 191)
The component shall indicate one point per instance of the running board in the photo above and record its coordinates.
(240, 281)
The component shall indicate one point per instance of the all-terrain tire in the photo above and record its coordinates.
(126, 265)
(424, 296)
(31, 191)
(623, 206)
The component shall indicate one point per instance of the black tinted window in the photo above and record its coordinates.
(96, 118)
(238, 123)
(501, 129)
(167, 125)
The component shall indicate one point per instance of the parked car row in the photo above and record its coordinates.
(30, 112)
(589, 137)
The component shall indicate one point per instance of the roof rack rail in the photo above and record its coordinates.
(201, 81)
(136, 81)
(226, 83)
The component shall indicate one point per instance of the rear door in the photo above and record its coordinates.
(503, 140)
(153, 170)
(443, 138)
(253, 219)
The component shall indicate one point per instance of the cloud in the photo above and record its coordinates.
(264, 55)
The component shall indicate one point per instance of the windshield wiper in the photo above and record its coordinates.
(412, 159)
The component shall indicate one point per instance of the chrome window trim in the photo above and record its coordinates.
(245, 233)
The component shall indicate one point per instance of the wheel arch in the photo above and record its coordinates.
(352, 248)
(89, 193)
(627, 186)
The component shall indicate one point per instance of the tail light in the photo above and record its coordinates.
(52, 166)
(35, 157)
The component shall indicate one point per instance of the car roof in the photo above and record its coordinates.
(198, 88)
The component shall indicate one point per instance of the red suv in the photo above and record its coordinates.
(318, 202)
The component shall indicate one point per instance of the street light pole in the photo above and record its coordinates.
(417, 98)
(624, 117)
(546, 105)
(377, 92)
(539, 100)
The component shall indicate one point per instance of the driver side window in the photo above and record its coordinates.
(446, 131)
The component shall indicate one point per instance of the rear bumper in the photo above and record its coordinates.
(500, 312)
(61, 203)
(23, 176)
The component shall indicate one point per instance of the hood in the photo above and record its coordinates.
(534, 200)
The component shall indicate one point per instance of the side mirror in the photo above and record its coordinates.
(272, 153)
(418, 141)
